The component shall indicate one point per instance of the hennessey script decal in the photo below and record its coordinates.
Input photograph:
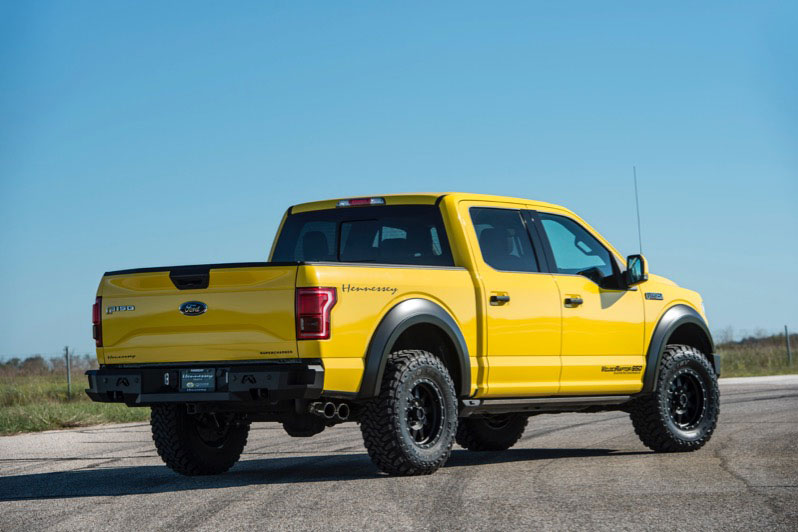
(354, 288)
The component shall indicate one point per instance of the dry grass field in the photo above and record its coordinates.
(766, 355)
(33, 397)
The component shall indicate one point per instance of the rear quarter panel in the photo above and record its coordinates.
(365, 294)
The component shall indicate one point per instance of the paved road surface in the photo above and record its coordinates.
(570, 471)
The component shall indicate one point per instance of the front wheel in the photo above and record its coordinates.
(409, 428)
(682, 412)
(198, 444)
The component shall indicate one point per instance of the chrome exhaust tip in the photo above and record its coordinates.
(329, 410)
(317, 409)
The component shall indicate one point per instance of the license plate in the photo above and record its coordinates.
(197, 380)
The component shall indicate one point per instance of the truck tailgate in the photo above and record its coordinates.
(222, 313)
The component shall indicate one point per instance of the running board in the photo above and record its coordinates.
(542, 404)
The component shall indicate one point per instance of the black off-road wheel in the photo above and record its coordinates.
(409, 428)
(682, 412)
(198, 444)
(491, 433)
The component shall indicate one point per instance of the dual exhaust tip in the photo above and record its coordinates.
(330, 410)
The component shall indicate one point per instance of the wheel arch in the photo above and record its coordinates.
(680, 324)
(420, 324)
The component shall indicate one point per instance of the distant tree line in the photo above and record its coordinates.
(760, 337)
(38, 365)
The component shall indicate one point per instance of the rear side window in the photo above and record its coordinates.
(395, 234)
(503, 239)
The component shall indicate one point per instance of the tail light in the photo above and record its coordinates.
(313, 306)
(96, 321)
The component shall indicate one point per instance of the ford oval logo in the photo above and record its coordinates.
(193, 308)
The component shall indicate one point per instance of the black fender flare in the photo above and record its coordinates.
(671, 320)
(400, 318)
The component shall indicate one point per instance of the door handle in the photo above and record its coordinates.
(499, 300)
(573, 301)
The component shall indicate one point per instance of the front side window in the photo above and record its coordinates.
(575, 250)
(503, 239)
(397, 234)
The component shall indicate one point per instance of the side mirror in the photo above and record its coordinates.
(636, 270)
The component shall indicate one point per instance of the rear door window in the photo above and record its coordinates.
(503, 239)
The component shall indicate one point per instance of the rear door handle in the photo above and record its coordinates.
(499, 300)
(573, 301)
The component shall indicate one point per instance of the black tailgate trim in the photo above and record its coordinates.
(190, 277)
(203, 267)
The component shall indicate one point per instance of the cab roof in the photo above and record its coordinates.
(423, 198)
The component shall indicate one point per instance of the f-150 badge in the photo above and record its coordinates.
(119, 308)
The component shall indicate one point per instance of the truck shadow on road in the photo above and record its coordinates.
(109, 478)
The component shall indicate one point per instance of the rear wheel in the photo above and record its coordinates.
(491, 433)
(409, 428)
(682, 412)
(198, 444)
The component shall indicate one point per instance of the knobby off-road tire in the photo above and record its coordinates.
(682, 412)
(409, 428)
(491, 433)
(200, 444)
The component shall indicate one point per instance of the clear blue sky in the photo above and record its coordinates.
(159, 133)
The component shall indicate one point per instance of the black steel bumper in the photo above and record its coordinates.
(255, 382)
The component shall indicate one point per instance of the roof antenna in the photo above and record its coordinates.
(637, 204)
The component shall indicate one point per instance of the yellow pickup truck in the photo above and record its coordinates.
(428, 319)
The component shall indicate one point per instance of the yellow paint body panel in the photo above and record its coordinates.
(357, 314)
(250, 317)
(530, 346)
(523, 335)
(605, 331)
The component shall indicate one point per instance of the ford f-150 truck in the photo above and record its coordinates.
(428, 319)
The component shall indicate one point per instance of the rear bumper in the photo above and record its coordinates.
(245, 383)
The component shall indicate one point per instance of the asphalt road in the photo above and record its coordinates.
(570, 471)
